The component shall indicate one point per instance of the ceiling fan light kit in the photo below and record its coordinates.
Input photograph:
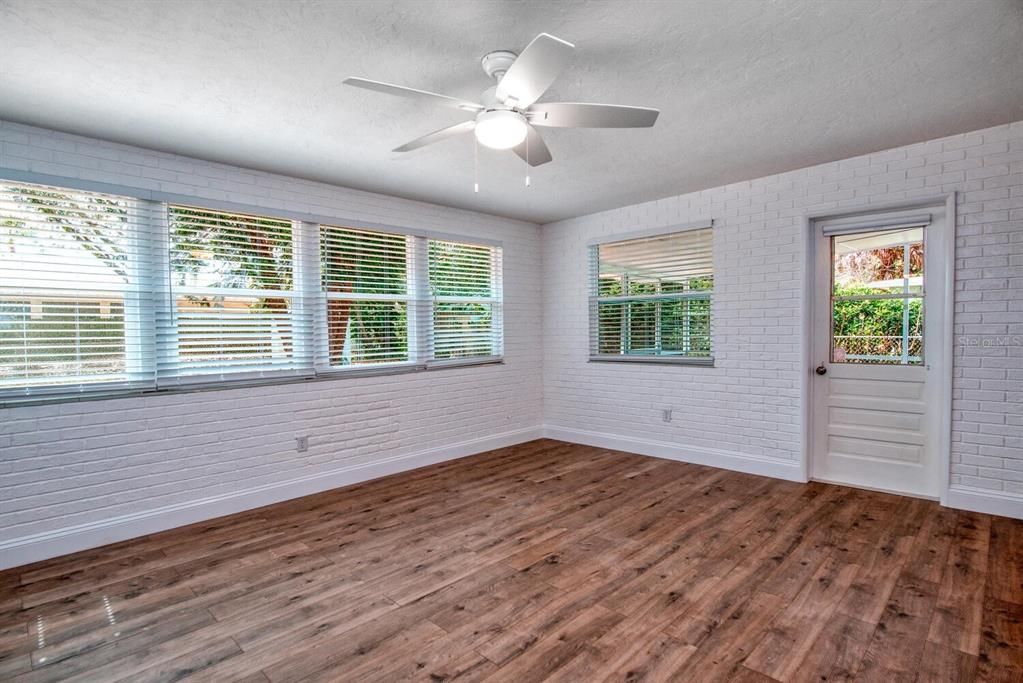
(501, 128)
(509, 113)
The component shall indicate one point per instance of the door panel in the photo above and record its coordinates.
(881, 390)
(875, 451)
(872, 417)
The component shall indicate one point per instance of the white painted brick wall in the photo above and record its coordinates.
(748, 403)
(75, 463)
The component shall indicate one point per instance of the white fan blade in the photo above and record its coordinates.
(587, 115)
(402, 91)
(534, 70)
(437, 136)
(537, 152)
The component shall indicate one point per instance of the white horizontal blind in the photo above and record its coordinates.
(104, 293)
(885, 221)
(75, 294)
(465, 285)
(651, 297)
(234, 310)
(366, 278)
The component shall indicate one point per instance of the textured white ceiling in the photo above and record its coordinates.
(746, 88)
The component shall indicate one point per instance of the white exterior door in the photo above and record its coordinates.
(878, 351)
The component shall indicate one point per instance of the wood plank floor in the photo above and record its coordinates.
(544, 561)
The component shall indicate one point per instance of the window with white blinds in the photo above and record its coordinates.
(75, 304)
(105, 293)
(234, 309)
(366, 280)
(465, 287)
(650, 298)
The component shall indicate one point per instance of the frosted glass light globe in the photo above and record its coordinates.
(500, 129)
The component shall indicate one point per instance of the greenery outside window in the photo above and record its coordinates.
(877, 295)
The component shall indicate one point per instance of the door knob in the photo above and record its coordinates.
(821, 370)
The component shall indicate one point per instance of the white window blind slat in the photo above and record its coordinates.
(651, 297)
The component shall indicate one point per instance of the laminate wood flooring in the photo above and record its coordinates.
(545, 561)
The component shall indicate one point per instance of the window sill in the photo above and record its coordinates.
(325, 376)
(655, 360)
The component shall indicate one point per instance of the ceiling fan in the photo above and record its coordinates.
(509, 110)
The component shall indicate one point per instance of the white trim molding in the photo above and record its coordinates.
(980, 500)
(975, 500)
(712, 457)
(948, 349)
(42, 546)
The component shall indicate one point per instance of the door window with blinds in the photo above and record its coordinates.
(106, 293)
(650, 298)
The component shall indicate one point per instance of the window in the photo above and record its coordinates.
(74, 301)
(234, 307)
(108, 293)
(651, 298)
(466, 301)
(877, 297)
(366, 277)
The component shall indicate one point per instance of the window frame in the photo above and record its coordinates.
(154, 228)
(595, 299)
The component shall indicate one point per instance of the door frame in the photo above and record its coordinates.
(808, 300)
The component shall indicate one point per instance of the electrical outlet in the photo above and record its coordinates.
(302, 444)
(666, 414)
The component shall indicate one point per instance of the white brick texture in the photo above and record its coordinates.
(748, 404)
(69, 464)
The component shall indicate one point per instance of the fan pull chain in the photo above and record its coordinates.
(527, 160)
(475, 165)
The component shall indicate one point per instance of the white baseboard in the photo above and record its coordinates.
(42, 546)
(729, 460)
(991, 502)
